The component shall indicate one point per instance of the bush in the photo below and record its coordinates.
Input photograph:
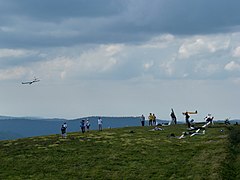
(234, 136)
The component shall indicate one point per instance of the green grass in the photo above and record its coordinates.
(232, 164)
(124, 153)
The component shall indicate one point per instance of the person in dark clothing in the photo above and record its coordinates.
(82, 125)
(209, 118)
(227, 122)
(187, 116)
(63, 130)
(174, 118)
(154, 120)
(187, 119)
(142, 120)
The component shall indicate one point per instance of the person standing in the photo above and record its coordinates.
(209, 118)
(88, 125)
(187, 119)
(150, 118)
(65, 125)
(100, 122)
(187, 116)
(174, 118)
(154, 120)
(143, 120)
(64, 130)
(82, 125)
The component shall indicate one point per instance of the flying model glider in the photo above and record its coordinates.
(31, 82)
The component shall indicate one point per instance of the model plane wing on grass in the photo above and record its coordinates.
(31, 82)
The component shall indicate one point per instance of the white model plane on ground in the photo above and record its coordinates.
(31, 82)
(197, 132)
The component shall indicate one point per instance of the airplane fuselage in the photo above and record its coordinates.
(31, 82)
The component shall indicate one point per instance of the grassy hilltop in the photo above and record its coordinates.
(125, 153)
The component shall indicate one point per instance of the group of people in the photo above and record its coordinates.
(209, 118)
(84, 126)
(152, 120)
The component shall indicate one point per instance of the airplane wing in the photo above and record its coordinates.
(29, 82)
(190, 112)
(36, 80)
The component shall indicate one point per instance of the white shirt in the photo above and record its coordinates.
(65, 125)
(99, 121)
(87, 123)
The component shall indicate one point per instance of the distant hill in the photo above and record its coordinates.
(233, 121)
(12, 128)
(18, 127)
(9, 135)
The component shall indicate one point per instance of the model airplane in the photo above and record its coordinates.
(31, 82)
(189, 112)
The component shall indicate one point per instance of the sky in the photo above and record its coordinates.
(120, 58)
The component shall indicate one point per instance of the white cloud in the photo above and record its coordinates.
(136, 60)
(232, 66)
(148, 65)
(207, 69)
(161, 41)
(168, 67)
(13, 53)
(203, 44)
(191, 48)
(159, 57)
(58, 67)
(112, 49)
(212, 68)
(236, 52)
(12, 73)
(90, 62)
(100, 59)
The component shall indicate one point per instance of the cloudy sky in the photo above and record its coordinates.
(120, 57)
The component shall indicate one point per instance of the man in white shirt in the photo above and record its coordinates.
(100, 124)
(209, 118)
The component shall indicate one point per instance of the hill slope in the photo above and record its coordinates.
(124, 153)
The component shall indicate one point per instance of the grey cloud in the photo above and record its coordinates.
(182, 17)
(35, 23)
(60, 9)
(68, 23)
(23, 61)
